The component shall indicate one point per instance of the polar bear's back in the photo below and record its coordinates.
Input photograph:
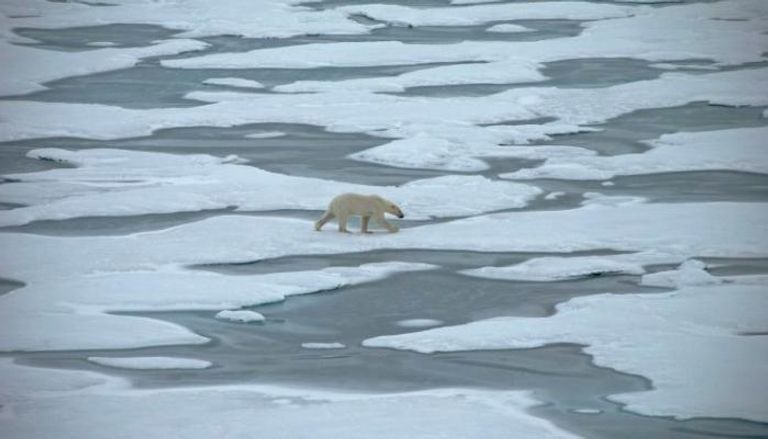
(356, 204)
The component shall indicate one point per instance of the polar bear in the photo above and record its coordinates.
(366, 206)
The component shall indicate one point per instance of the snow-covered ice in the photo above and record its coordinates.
(691, 273)
(728, 32)
(194, 18)
(508, 27)
(151, 362)
(698, 337)
(546, 269)
(240, 316)
(687, 342)
(70, 309)
(742, 149)
(41, 403)
(234, 82)
(265, 135)
(121, 182)
(418, 323)
(26, 68)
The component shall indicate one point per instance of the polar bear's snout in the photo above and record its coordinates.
(366, 206)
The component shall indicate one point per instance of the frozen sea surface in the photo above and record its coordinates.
(592, 185)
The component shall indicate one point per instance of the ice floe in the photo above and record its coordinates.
(446, 132)
(690, 273)
(87, 276)
(418, 323)
(265, 135)
(194, 18)
(234, 82)
(240, 316)
(151, 362)
(740, 149)
(479, 14)
(689, 343)
(27, 68)
(508, 27)
(41, 403)
(558, 268)
(58, 310)
(120, 182)
(728, 32)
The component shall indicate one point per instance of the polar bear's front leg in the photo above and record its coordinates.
(364, 227)
(383, 223)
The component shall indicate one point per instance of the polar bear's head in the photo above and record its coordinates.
(392, 208)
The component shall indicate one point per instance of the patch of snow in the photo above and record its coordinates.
(509, 71)
(27, 68)
(71, 404)
(597, 198)
(508, 27)
(151, 362)
(64, 310)
(102, 43)
(65, 305)
(480, 14)
(265, 135)
(234, 82)
(194, 18)
(119, 182)
(554, 195)
(587, 411)
(741, 149)
(418, 323)
(700, 326)
(323, 346)
(240, 315)
(727, 32)
(549, 269)
(438, 133)
(690, 273)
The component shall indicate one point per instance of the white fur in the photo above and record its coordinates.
(366, 206)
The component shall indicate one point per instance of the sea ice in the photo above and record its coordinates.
(741, 149)
(727, 32)
(704, 367)
(240, 315)
(42, 403)
(265, 135)
(27, 68)
(690, 273)
(547, 269)
(121, 182)
(508, 27)
(480, 14)
(419, 323)
(234, 82)
(194, 18)
(71, 309)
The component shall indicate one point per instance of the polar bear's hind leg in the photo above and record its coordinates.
(327, 216)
